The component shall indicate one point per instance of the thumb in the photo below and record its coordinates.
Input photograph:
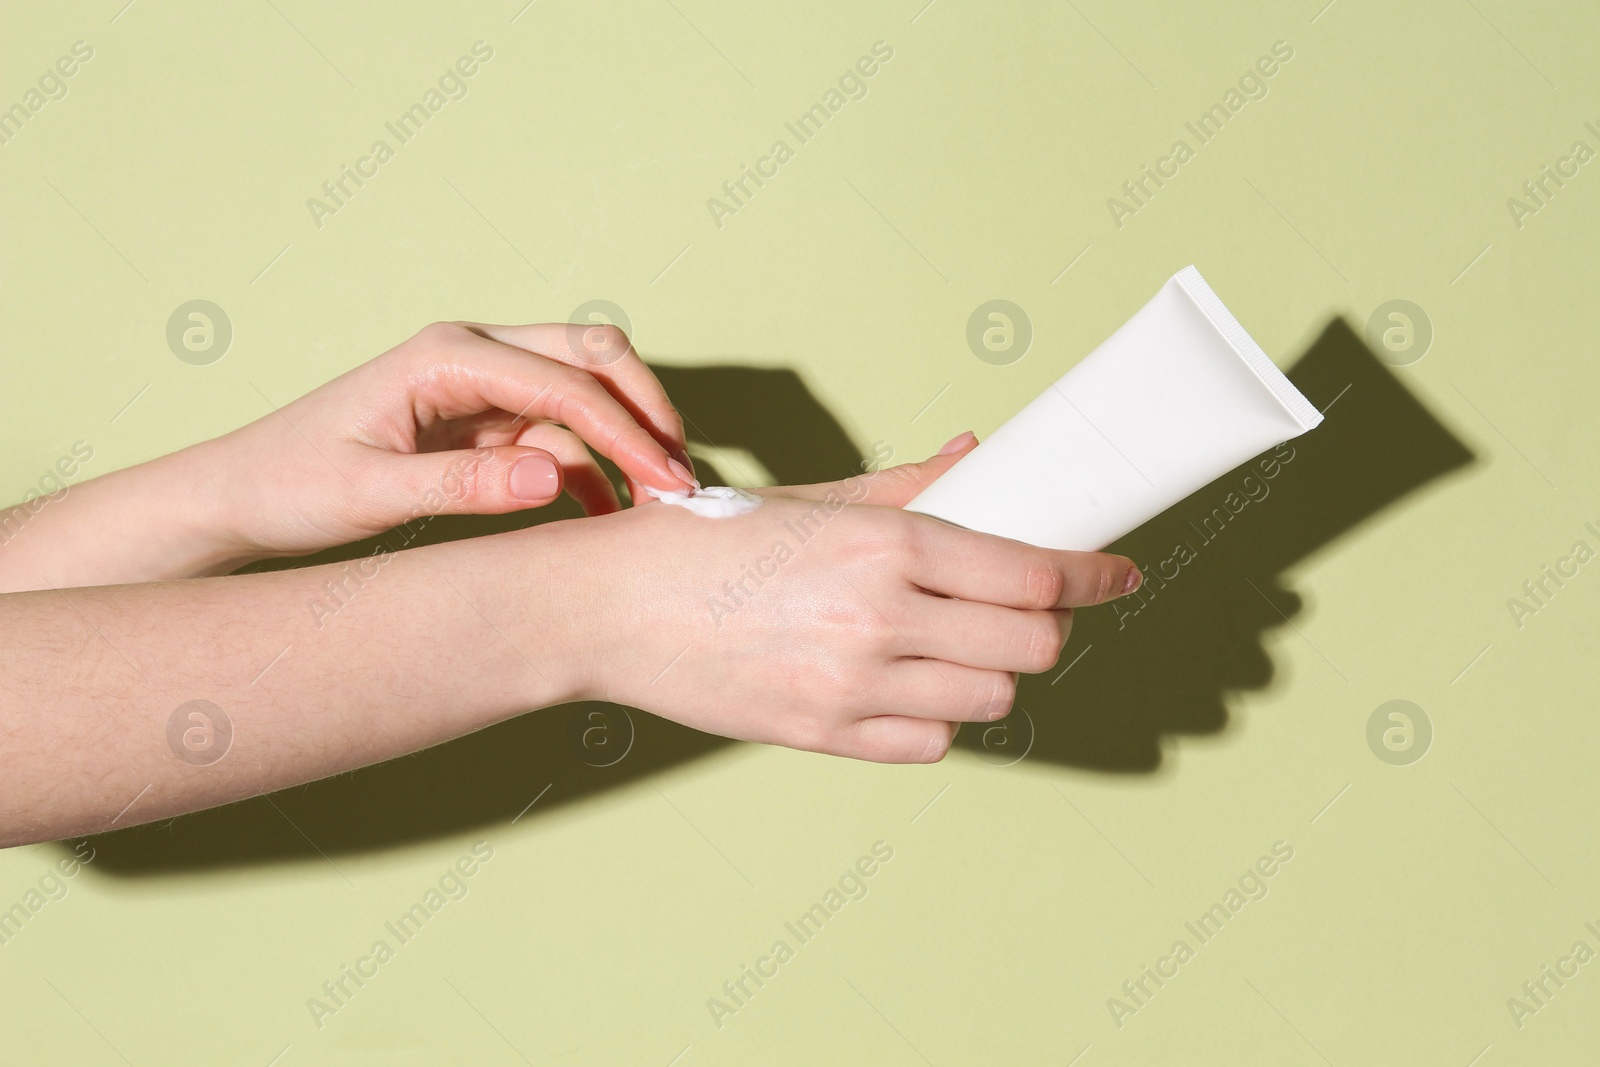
(896, 487)
(893, 486)
(478, 481)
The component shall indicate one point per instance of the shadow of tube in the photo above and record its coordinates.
(1163, 662)
(1158, 667)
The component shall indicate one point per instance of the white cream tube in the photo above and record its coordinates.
(1177, 397)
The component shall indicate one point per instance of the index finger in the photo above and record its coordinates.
(606, 353)
(483, 373)
(969, 565)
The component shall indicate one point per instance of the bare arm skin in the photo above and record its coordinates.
(828, 619)
(90, 677)
(870, 638)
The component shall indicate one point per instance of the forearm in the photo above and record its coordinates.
(314, 678)
(156, 521)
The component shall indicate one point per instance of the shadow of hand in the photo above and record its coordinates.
(1163, 661)
(1160, 664)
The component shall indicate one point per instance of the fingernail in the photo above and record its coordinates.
(682, 456)
(534, 478)
(1130, 581)
(682, 472)
(957, 443)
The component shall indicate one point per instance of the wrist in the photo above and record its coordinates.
(523, 583)
(200, 520)
(156, 521)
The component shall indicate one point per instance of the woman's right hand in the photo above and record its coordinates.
(856, 630)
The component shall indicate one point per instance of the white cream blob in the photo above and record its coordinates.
(711, 501)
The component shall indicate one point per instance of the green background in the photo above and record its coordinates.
(1229, 714)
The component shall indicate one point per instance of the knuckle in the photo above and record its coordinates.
(579, 394)
(880, 540)
(441, 332)
(454, 484)
(1045, 584)
(846, 696)
(1088, 581)
(993, 698)
(859, 626)
(1041, 644)
(540, 400)
(903, 536)
(938, 745)
(810, 734)
(857, 742)
(575, 394)
(469, 477)
(601, 343)
(565, 379)
(1104, 577)
(1003, 692)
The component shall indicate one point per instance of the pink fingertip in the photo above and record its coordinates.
(958, 442)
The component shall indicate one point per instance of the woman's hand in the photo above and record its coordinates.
(463, 418)
(822, 624)
(852, 629)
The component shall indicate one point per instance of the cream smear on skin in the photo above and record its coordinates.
(711, 501)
